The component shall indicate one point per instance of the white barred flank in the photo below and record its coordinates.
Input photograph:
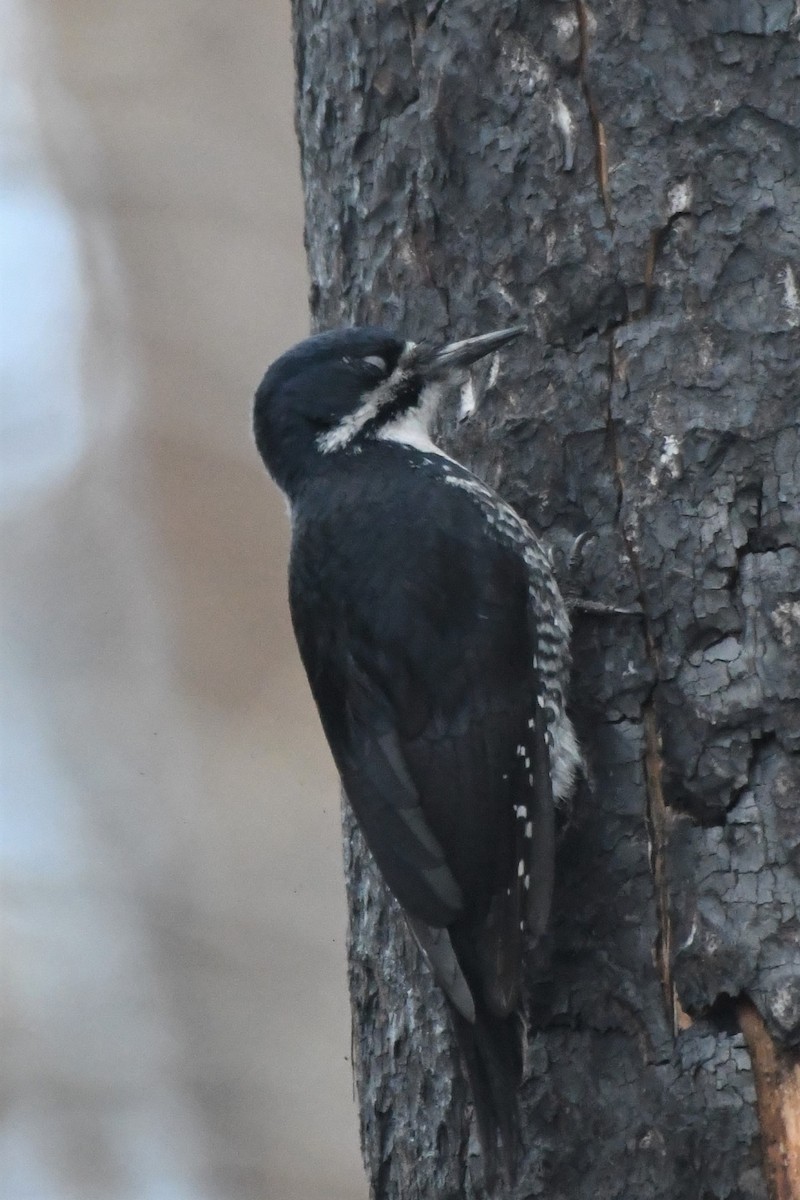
(565, 757)
(551, 661)
(552, 657)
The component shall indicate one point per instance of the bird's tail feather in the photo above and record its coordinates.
(492, 1051)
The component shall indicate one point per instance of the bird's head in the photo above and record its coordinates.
(335, 390)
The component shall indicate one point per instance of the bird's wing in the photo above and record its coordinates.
(438, 949)
(425, 686)
(362, 729)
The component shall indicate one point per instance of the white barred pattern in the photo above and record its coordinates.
(552, 658)
(551, 661)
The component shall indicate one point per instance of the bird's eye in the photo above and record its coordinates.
(375, 362)
(372, 365)
(369, 364)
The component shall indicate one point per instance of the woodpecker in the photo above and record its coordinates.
(436, 645)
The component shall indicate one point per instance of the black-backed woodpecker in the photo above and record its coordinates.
(436, 645)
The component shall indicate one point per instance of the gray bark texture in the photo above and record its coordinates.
(626, 179)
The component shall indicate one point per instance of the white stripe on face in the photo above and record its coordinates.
(351, 425)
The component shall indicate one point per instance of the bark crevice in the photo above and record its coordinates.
(597, 126)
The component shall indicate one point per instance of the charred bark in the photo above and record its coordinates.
(626, 178)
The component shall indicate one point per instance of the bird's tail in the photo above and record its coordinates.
(492, 1051)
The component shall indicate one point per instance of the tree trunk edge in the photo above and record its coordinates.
(382, 249)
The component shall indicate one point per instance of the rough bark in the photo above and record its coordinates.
(626, 178)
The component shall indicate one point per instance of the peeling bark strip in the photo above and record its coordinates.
(657, 829)
(777, 1074)
(625, 177)
(598, 128)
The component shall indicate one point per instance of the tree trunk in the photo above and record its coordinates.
(625, 178)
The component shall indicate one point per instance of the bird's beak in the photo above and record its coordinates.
(435, 362)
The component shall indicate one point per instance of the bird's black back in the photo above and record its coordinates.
(415, 631)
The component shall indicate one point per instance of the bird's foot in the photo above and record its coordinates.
(575, 602)
(600, 608)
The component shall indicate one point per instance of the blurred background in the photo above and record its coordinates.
(174, 1012)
